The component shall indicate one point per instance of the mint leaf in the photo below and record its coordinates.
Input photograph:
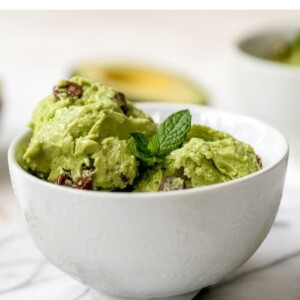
(137, 145)
(151, 160)
(153, 144)
(170, 135)
(173, 131)
(141, 141)
(131, 145)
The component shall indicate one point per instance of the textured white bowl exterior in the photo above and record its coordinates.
(145, 245)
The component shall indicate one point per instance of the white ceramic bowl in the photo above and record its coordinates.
(268, 90)
(144, 245)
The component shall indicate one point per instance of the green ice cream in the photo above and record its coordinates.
(89, 136)
(73, 134)
(285, 50)
(207, 157)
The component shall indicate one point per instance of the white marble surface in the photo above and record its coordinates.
(40, 47)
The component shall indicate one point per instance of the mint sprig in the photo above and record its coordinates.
(169, 136)
(173, 131)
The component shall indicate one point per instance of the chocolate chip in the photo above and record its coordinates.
(70, 89)
(259, 161)
(62, 178)
(84, 183)
(120, 97)
(124, 178)
(172, 183)
(121, 100)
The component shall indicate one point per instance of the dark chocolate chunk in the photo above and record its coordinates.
(124, 178)
(84, 183)
(172, 183)
(70, 89)
(259, 161)
(64, 179)
(121, 100)
(61, 179)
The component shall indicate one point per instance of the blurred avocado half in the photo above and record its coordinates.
(144, 83)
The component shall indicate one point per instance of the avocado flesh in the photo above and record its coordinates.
(144, 84)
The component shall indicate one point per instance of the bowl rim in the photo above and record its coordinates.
(263, 62)
(12, 162)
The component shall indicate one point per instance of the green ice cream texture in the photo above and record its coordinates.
(82, 137)
(285, 50)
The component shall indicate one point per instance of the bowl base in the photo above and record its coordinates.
(102, 296)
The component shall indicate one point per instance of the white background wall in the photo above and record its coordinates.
(38, 48)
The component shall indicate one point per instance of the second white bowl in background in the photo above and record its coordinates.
(266, 89)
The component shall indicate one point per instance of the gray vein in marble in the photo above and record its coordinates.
(262, 268)
(247, 273)
(86, 291)
(28, 280)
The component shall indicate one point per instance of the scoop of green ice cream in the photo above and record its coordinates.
(208, 157)
(150, 180)
(83, 126)
(115, 166)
